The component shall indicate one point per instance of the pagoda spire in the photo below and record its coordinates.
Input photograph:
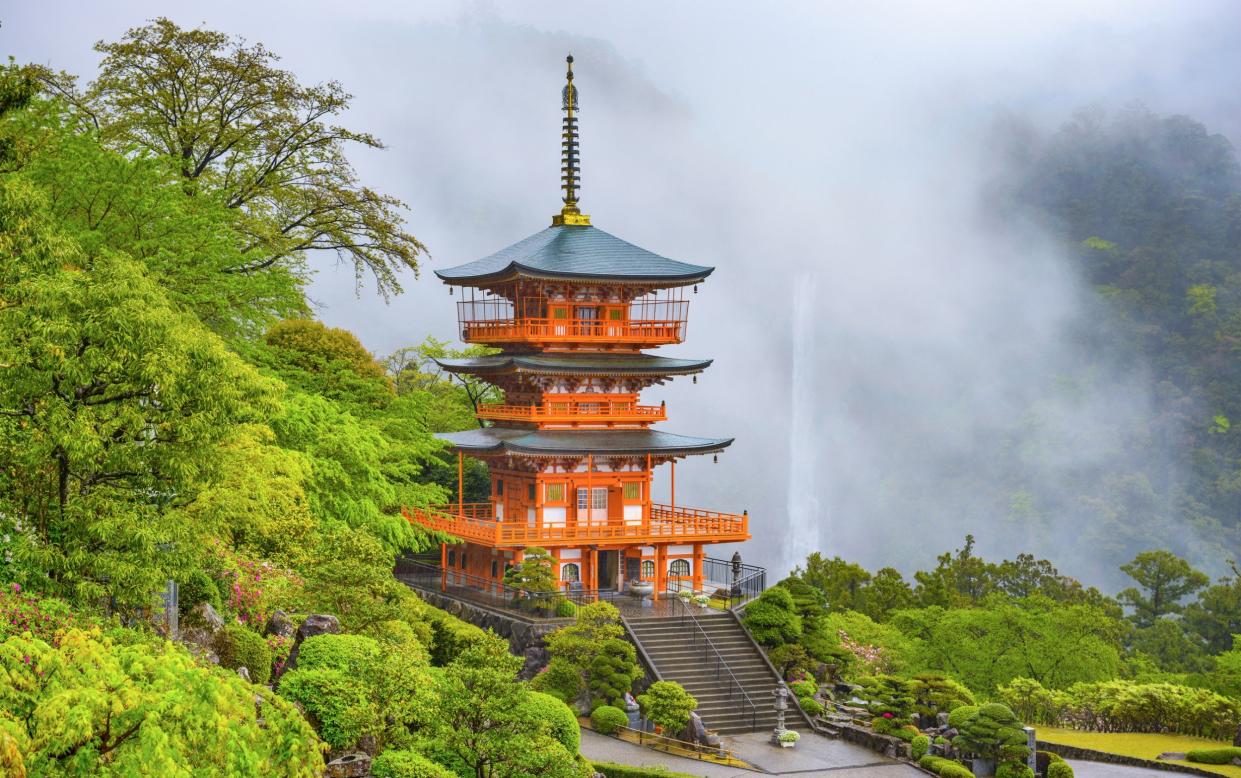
(570, 175)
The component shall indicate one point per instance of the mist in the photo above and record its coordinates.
(884, 340)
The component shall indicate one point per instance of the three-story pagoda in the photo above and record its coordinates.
(571, 450)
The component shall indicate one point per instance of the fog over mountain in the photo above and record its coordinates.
(885, 338)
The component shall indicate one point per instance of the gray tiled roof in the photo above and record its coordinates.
(575, 252)
(496, 440)
(587, 363)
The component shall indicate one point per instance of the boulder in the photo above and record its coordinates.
(199, 629)
(1171, 755)
(244, 672)
(354, 765)
(368, 744)
(696, 731)
(941, 719)
(315, 624)
(279, 624)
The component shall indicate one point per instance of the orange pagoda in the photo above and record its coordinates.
(572, 450)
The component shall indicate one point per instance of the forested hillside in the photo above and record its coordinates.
(169, 412)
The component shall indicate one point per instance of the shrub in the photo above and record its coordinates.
(561, 721)
(43, 617)
(238, 646)
(788, 736)
(773, 618)
(611, 770)
(565, 609)
(1030, 701)
(958, 716)
(811, 706)
(612, 671)
(407, 764)
(919, 746)
(889, 694)
(945, 768)
(1126, 706)
(607, 720)
(994, 732)
(338, 703)
(1059, 769)
(450, 636)
(560, 679)
(667, 704)
(197, 587)
(354, 655)
(790, 658)
(1013, 770)
(1214, 755)
(803, 688)
(935, 693)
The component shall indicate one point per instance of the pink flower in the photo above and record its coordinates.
(17, 588)
(887, 715)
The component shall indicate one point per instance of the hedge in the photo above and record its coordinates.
(945, 768)
(1214, 755)
(407, 764)
(1060, 769)
(561, 721)
(919, 746)
(606, 719)
(612, 770)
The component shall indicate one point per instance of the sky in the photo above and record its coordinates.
(870, 329)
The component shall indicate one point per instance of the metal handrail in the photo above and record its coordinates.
(720, 664)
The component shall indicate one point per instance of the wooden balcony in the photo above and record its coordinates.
(635, 333)
(576, 411)
(476, 522)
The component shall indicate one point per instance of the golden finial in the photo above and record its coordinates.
(570, 177)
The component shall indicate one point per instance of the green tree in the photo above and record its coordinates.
(1216, 615)
(667, 705)
(111, 408)
(958, 579)
(841, 582)
(249, 135)
(486, 723)
(143, 709)
(1165, 579)
(887, 591)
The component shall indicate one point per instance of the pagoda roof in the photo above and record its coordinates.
(575, 364)
(504, 440)
(575, 252)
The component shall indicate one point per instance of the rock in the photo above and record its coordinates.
(244, 672)
(536, 658)
(941, 719)
(696, 730)
(315, 624)
(199, 629)
(1171, 755)
(279, 624)
(1236, 761)
(349, 766)
(950, 733)
(369, 745)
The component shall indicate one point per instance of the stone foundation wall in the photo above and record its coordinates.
(887, 745)
(524, 635)
(1091, 755)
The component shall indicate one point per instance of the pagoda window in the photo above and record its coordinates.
(633, 490)
(495, 568)
(555, 493)
(679, 568)
(648, 569)
(530, 490)
(600, 501)
(452, 558)
(570, 573)
(500, 486)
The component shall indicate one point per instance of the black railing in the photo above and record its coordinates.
(431, 577)
(735, 585)
(711, 654)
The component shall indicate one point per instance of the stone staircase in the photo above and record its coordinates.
(677, 650)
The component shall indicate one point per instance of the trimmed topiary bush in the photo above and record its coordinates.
(565, 609)
(1013, 770)
(919, 746)
(407, 764)
(612, 770)
(945, 768)
(668, 705)
(607, 720)
(240, 647)
(354, 655)
(1060, 769)
(197, 587)
(1214, 755)
(773, 619)
(336, 701)
(560, 719)
(994, 732)
(959, 716)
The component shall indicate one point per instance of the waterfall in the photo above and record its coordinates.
(804, 525)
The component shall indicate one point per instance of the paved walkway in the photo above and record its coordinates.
(1085, 769)
(814, 755)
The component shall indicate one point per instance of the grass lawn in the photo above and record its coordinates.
(1145, 746)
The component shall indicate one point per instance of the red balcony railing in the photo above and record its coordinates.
(476, 522)
(634, 332)
(591, 410)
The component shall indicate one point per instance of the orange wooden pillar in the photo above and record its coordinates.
(594, 572)
(698, 567)
(661, 572)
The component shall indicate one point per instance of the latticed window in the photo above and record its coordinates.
(616, 314)
(679, 567)
(648, 568)
(555, 492)
(600, 498)
(530, 492)
(570, 573)
(633, 490)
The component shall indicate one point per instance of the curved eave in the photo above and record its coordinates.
(499, 440)
(517, 270)
(579, 365)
